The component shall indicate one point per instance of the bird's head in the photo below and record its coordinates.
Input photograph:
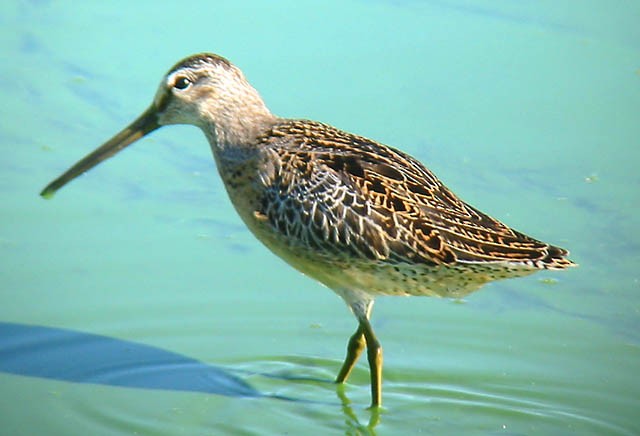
(204, 90)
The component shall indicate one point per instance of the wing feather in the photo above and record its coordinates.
(347, 195)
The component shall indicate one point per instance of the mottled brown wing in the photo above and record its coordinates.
(337, 190)
(316, 207)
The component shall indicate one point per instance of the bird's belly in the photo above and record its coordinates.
(367, 276)
(380, 277)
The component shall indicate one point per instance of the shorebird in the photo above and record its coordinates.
(360, 217)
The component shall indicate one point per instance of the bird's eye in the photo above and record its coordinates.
(181, 82)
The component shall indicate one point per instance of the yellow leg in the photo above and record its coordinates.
(354, 349)
(364, 335)
(374, 355)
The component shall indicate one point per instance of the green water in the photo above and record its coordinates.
(528, 110)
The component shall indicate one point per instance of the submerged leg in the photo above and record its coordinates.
(374, 355)
(364, 336)
(354, 349)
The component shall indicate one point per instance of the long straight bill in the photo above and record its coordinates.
(144, 124)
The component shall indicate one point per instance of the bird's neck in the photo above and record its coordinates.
(237, 125)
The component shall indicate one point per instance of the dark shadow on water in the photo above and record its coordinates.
(67, 355)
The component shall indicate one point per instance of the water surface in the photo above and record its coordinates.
(136, 302)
